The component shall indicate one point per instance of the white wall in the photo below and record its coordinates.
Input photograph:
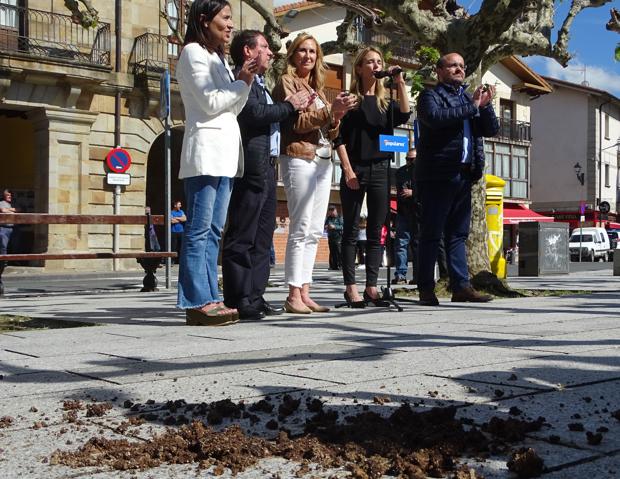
(559, 131)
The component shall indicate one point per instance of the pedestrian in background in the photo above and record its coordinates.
(333, 226)
(211, 155)
(406, 221)
(177, 226)
(306, 165)
(6, 230)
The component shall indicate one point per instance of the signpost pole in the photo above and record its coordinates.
(165, 112)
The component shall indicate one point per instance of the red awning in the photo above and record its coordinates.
(521, 214)
(613, 225)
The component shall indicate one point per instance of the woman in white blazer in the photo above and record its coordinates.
(211, 155)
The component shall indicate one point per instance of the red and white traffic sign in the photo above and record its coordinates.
(118, 160)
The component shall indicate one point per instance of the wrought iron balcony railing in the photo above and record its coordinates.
(54, 36)
(403, 50)
(152, 54)
(514, 130)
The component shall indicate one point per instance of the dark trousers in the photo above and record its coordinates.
(176, 240)
(373, 185)
(247, 244)
(335, 260)
(445, 210)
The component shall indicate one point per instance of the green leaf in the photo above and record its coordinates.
(617, 56)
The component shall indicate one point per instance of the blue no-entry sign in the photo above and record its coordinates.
(118, 160)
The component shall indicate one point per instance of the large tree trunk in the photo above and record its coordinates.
(477, 252)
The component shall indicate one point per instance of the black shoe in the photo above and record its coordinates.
(381, 303)
(248, 313)
(271, 310)
(399, 280)
(428, 298)
(354, 304)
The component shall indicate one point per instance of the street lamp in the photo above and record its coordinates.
(580, 175)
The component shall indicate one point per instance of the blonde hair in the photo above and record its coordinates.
(356, 80)
(317, 75)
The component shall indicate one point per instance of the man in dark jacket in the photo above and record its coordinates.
(450, 158)
(252, 209)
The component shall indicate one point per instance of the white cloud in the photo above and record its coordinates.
(597, 77)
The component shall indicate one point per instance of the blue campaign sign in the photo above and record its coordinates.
(118, 160)
(164, 99)
(393, 143)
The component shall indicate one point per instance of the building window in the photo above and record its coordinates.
(173, 13)
(509, 162)
(8, 13)
(607, 126)
(606, 176)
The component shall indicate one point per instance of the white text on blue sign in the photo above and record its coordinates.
(393, 143)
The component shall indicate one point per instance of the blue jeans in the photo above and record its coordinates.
(5, 238)
(207, 200)
(401, 245)
(445, 210)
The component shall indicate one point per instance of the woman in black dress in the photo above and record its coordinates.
(364, 168)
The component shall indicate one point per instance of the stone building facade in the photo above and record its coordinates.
(58, 86)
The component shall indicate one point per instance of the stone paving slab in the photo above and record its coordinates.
(405, 364)
(43, 382)
(549, 328)
(554, 456)
(547, 372)
(591, 406)
(24, 451)
(144, 371)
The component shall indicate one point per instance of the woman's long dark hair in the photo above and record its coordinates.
(195, 30)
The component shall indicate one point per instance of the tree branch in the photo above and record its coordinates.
(613, 25)
(87, 18)
(560, 49)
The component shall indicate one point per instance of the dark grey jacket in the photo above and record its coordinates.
(255, 123)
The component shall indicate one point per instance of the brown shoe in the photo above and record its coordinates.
(470, 295)
(196, 317)
(428, 298)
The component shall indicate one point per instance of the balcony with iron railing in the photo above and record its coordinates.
(27, 32)
(152, 54)
(514, 130)
(403, 50)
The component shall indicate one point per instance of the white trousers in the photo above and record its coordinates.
(307, 184)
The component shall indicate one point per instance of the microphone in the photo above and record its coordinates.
(385, 73)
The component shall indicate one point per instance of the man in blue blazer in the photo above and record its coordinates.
(450, 158)
(252, 209)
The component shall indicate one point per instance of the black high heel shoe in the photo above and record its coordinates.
(353, 304)
(381, 303)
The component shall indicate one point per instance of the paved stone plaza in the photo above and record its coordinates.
(556, 357)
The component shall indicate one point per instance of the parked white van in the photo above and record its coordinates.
(594, 244)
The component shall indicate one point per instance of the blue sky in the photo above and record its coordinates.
(590, 43)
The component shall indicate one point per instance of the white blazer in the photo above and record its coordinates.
(212, 101)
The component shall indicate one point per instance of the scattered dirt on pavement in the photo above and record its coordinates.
(97, 409)
(368, 444)
(6, 421)
(526, 463)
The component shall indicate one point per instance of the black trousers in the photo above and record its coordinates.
(247, 242)
(373, 184)
(335, 260)
(176, 242)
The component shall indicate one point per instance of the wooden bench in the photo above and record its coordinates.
(148, 259)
